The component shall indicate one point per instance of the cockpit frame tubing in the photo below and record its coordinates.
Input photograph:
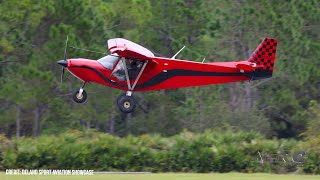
(131, 88)
(115, 65)
(126, 73)
(139, 75)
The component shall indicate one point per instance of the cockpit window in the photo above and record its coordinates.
(133, 67)
(119, 72)
(108, 61)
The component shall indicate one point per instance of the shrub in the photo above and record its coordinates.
(312, 163)
(210, 151)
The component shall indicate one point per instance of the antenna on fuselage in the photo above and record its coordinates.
(203, 60)
(173, 57)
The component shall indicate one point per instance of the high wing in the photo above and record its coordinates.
(128, 49)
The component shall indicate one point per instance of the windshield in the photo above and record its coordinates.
(119, 72)
(108, 61)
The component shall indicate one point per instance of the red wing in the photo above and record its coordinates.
(128, 49)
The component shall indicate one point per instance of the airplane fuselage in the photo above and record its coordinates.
(161, 73)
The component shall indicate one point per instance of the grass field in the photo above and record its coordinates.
(166, 176)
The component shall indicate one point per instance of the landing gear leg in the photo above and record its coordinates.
(126, 103)
(80, 96)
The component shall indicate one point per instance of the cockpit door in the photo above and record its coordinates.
(133, 67)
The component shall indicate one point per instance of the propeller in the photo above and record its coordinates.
(64, 62)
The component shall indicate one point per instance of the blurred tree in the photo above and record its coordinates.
(312, 134)
(32, 35)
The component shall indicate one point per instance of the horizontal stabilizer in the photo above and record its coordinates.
(248, 66)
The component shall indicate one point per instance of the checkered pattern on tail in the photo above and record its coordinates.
(265, 54)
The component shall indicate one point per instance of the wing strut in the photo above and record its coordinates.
(126, 73)
(139, 75)
(131, 88)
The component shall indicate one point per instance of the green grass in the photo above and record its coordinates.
(166, 176)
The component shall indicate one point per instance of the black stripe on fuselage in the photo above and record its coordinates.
(100, 74)
(181, 72)
(163, 76)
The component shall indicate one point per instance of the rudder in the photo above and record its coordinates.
(265, 55)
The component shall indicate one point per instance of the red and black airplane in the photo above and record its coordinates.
(131, 67)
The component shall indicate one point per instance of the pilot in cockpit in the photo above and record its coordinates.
(133, 66)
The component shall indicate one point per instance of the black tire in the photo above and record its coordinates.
(78, 99)
(126, 104)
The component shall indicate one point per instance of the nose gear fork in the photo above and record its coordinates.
(80, 96)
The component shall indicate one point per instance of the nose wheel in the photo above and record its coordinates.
(126, 104)
(79, 96)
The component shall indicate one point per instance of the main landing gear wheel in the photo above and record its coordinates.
(126, 104)
(79, 98)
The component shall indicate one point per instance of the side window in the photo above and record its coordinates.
(134, 67)
(108, 61)
(119, 72)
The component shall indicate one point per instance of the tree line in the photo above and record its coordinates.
(33, 102)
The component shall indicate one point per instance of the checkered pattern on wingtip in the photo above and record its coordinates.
(265, 54)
